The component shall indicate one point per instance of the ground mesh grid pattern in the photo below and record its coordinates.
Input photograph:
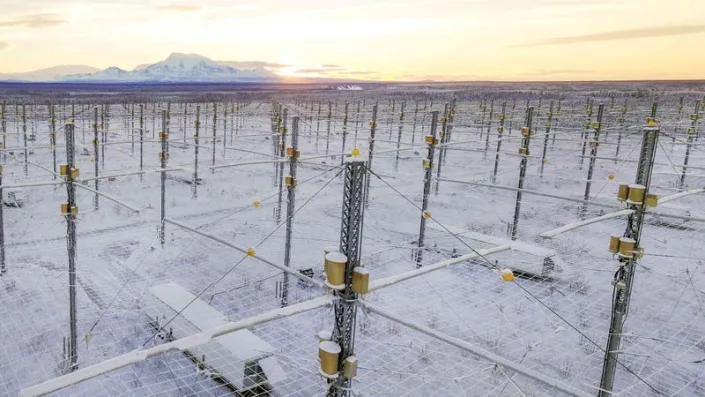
(556, 326)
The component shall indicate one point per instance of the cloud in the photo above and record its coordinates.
(544, 72)
(179, 8)
(34, 21)
(332, 66)
(3, 45)
(253, 64)
(655, 31)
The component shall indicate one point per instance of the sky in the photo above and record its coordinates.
(534, 40)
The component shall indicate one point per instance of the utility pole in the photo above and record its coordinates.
(163, 156)
(692, 133)
(441, 153)
(345, 133)
(293, 154)
(432, 141)
(357, 121)
(620, 129)
(524, 152)
(489, 126)
(401, 129)
(3, 269)
(194, 179)
(628, 250)
(280, 166)
(24, 134)
(500, 131)
(583, 135)
(215, 131)
(141, 141)
(52, 138)
(318, 124)
(544, 159)
(373, 130)
(225, 127)
(413, 128)
(597, 127)
(345, 305)
(96, 157)
(69, 210)
(3, 124)
(330, 114)
(132, 129)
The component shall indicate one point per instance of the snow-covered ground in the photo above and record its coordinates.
(544, 325)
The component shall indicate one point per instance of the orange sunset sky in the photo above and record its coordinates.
(369, 39)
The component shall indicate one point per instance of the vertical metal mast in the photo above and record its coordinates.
(350, 238)
(524, 151)
(431, 140)
(163, 160)
(293, 153)
(597, 126)
(280, 166)
(500, 131)
(69, 210)
(624, 277)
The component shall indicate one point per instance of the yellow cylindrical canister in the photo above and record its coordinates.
(651, 200)
(637, 193)
(360, 280)
(328, 353)
(335, 269)
(614, 244)
(623, 192)
(350, 367)
(626, 247)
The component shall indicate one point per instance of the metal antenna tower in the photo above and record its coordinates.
(69, 210)
(350, 245)
(624, 277)
(293, 154)
(432, 141)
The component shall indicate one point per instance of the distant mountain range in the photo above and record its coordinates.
(175, 68)
(50, 74)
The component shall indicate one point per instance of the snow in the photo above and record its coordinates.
(178, 67)
(336, 257)
(330, 347)
(361, 271)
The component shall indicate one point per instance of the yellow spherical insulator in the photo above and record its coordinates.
(507, 275)
(610, 177)
(356, 152)
(426, 214)
(251, 252)
(92, 160)
(256, 203)
(545, 160)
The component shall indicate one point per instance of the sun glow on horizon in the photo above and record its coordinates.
(368, 40)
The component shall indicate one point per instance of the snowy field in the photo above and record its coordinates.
(556, 326)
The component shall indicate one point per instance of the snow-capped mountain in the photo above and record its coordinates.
(48, 74)
(179, 68)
